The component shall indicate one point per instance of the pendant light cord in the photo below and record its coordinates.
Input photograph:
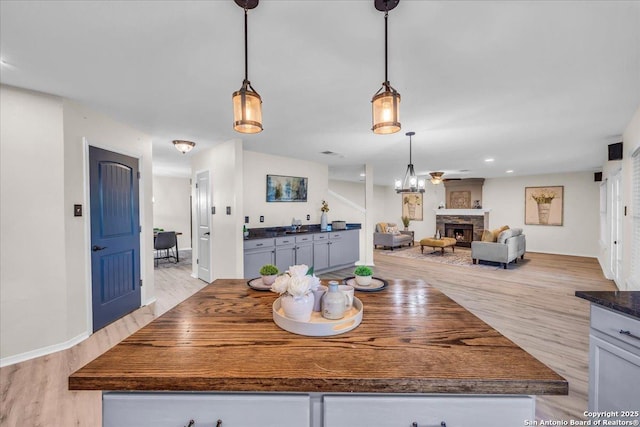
(410, 162)
(386, 15)
(246, 56)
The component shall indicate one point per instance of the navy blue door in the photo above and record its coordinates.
(115, 235)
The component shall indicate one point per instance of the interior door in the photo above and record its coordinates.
(616, 229)
(203, 198)
(115, 235)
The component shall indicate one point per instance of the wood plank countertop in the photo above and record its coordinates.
(412, 339)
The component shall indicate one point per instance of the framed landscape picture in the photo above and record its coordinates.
(286, 188)
(544, 205)
(412, 206)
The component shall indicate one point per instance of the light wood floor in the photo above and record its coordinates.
(533, 304)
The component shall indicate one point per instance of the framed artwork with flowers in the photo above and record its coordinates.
(412, 206)
(544, 205)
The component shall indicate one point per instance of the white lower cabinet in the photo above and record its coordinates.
(429, 411)
(614, 363)
(313, 410)
(205, 409)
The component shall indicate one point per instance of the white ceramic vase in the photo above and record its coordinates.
(323, 221)
(297, 308)
(268, 280)
(363, 280)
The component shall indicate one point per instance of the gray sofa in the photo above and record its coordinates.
(391, 240)
(510, 245)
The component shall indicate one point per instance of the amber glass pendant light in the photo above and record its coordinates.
(247, 104)
(386, 102)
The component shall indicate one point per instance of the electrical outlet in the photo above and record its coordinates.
(308, 217)
(228, 210)
(246, 220)
(261, 218)
(77, 210)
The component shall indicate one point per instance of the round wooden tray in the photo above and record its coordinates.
(318, 326)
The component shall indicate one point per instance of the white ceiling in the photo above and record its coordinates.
(540, 86)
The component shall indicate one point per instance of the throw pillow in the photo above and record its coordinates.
(393, 230)
(383, 227)
(488, 236)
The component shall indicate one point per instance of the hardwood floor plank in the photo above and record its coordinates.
(532, 304)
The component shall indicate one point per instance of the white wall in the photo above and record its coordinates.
(257, 166)
(224, 163)
(579, 233)
(172, 206)
(45, 270)
(631, 143)
(431, 198)
(33, 291)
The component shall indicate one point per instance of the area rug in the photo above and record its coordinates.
(462, 256)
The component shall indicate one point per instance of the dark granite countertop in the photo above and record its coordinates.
(268, 232)
(627, 302)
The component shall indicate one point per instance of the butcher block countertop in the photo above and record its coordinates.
(412, 339)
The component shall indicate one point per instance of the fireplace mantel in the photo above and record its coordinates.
(462, 212)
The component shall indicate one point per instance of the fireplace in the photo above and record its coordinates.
(463, 233)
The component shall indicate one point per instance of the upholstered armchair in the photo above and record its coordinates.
(508, 246)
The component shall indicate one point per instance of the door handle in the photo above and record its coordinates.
(96, 248)
(207, 233)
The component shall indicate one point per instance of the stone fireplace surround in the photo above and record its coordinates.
(478, 218)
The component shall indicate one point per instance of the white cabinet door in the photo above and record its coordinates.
(392, 411)
(614, 377)
(177, 409)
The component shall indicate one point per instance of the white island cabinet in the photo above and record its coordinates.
(314, 410)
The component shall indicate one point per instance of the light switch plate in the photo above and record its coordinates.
(77, 210)
(261, 218)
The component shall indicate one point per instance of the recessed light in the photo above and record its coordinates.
(509, 171)
(489, 160)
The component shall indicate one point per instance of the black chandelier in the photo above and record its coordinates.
(411, 183)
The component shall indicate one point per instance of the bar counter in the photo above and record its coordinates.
(412, 339)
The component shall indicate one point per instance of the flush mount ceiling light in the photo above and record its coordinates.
(411, 183)
(183, 146)
(436, 177)
(247, 104)
(386, 102)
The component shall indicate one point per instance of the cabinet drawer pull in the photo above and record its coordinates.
(442, 424)
(629, 334)
(259, 244)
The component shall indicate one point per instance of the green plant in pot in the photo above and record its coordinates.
(405, 221)
(269, 272)
(363, 275)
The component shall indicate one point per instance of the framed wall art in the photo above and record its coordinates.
(286, 188)
(544, 205)
(412, 206)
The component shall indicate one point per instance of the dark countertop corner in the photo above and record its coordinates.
(627, 302)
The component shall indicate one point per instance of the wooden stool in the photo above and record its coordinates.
(445, 242)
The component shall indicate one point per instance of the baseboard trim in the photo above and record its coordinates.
(151, 301)
(22, 357)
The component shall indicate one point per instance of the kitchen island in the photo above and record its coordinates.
(417, 357)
